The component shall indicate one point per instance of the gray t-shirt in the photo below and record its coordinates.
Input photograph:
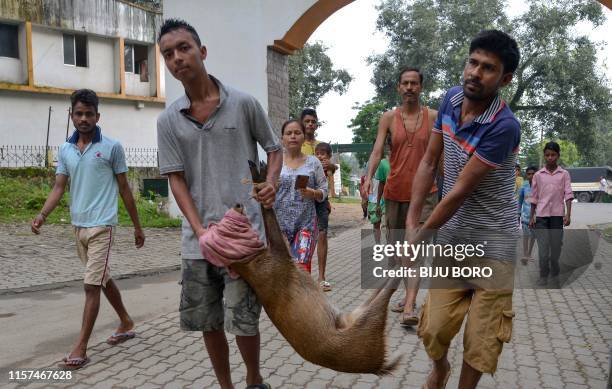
(214, 156)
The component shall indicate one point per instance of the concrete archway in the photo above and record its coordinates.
(302, 29)
(294, 39)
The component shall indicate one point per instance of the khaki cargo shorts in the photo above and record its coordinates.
(488, 326)
(211, 300)
(94, 247)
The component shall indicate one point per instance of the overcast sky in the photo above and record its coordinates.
(351, 36)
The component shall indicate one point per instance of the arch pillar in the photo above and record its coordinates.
(278, 61)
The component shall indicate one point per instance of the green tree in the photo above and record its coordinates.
(311, 76)
(365, 125)
(557, 89)
(603, 142)
(345, 172)
(570, 157)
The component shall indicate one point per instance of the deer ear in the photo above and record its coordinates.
(258, 175)
(277, 243)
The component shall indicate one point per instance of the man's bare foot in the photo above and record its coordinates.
(125, 326)
(439, 375)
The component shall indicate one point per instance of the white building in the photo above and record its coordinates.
(48, 49)
(248, 43)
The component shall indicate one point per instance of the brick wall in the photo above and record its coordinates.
(278, 88)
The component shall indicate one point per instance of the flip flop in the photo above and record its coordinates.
(73, 363)
(265, 385)
(325, 286)
(120, 337)
(409, 319)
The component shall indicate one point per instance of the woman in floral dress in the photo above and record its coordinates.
(295, 208)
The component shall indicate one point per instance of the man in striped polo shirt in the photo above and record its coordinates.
(479, 137)
(97, 170)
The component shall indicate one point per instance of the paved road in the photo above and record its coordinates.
(562, 338)
(50, 260)
(588, 214)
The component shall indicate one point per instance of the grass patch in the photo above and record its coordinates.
(21, 199)
(605, 229)
(345, 200)
(607, 234)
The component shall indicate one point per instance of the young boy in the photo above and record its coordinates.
(551, 187)
(376, 202)
(524, 200)
(323, 152)
(97, 170)
(205, 163)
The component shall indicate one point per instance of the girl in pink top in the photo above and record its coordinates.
(551, 209)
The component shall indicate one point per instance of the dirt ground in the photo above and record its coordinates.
(345, 216)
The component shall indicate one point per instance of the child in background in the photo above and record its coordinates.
(376, 202)
(550, 188)
(323, 152)
(524, 200)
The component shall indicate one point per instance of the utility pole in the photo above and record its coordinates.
(540, 150)
(68, 121)
(47, 141)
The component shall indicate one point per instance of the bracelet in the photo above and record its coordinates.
(43, 215)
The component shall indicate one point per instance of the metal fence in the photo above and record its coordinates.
(141, 156)
(27, 156)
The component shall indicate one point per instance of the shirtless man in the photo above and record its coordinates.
(409, 127)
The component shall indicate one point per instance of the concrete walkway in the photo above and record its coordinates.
(561, 339)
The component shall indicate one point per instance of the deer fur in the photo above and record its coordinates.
(352, 342)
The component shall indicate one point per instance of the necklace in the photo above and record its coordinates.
(416, 126)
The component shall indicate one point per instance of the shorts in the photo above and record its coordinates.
(372, 216)
(488, 325)
(322, 215)
(94, 247)
(211, 300)
(396, 212)
(530, 232)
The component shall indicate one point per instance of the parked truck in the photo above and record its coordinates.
(585, 182)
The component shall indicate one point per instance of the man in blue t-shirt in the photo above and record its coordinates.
(524, 201)
(479, 137)
(97, 170)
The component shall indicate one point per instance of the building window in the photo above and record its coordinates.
(75, 50)
(136, 60)
(9, 44)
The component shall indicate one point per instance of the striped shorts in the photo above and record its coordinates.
(94, 248)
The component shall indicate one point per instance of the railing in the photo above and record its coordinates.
(141, 156)
(27, 156)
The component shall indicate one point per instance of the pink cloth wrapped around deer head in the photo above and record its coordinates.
(229, 241)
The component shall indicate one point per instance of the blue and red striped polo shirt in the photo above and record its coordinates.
(493, 137)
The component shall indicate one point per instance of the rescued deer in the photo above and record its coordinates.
(352, 342)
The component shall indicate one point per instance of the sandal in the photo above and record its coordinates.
(265, 385)
(120, 337)
(73, 363)
(325, 286)
(409, 318)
